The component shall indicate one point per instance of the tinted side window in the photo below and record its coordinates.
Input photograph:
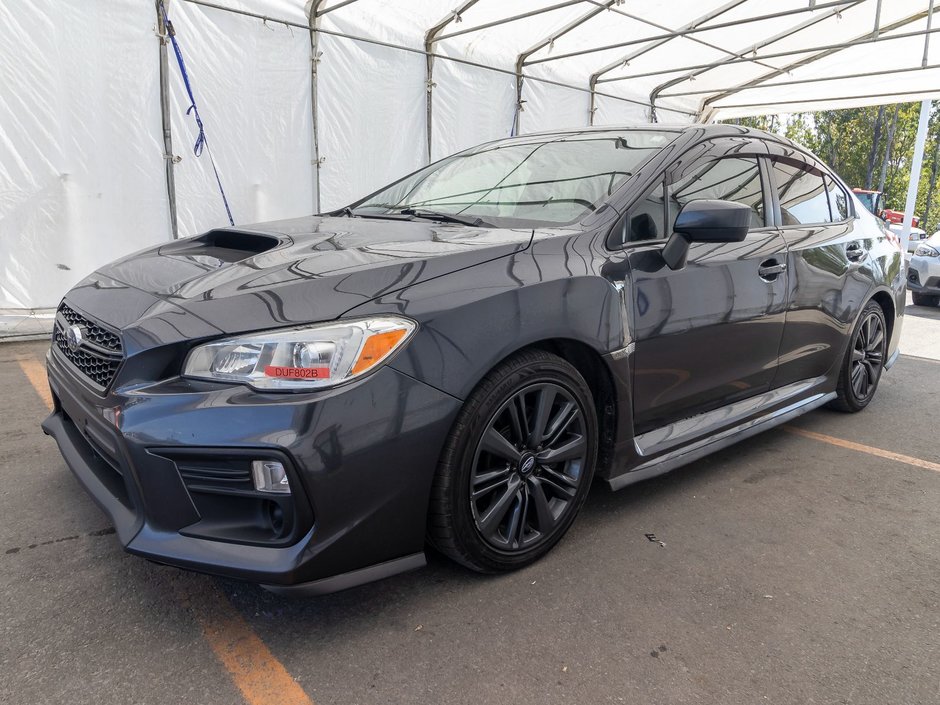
(838, 201)
(729, 179)
(802, 194)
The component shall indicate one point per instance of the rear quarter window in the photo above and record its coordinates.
(838, 200)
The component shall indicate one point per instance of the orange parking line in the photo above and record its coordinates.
(861, 448)
(35, 372)
(260, 677)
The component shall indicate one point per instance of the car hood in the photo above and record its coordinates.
(294, 271)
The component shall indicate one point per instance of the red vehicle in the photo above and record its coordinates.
(874, 202)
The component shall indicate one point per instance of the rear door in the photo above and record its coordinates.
(707, 334)
(826, 263)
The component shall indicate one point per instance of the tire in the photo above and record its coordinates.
(864, 361)
(925, 299)
(524, 500)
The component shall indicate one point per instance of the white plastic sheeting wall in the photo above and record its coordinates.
(371, 116)
(82, 167)
(251, 82)
(471, 105)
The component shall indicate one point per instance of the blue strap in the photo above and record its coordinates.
(201, 142)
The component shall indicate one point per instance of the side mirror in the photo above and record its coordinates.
(705, 221)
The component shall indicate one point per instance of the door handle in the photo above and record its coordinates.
(854, 251)
(770, 269)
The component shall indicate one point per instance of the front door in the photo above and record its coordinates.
(707, 334)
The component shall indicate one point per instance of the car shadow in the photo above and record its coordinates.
(394, 598)
(929, 312)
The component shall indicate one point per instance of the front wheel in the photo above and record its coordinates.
(864, 361)
(517, 465)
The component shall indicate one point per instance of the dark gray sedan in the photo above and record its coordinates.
(453, 360)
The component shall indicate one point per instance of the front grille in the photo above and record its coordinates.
(92, 331)
(99, 353)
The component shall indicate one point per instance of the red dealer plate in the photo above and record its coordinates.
(297, 372)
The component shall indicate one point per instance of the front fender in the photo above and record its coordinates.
(472, 319)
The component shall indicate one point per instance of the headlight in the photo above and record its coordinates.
(926, 251)
(309, 357)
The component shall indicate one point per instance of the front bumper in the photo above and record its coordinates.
(362, 456)
(923, 275)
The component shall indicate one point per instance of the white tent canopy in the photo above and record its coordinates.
(307, 105)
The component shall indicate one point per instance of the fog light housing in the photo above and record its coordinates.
(270, 476)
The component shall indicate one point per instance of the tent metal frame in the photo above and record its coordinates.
(755, 83)
(430, 37)
(774, 55)
(752, 49)
(625, 60)
(643, 45)
(704, 23)
(818, 79)
(168, 157)
(695, 30)
(522, 58)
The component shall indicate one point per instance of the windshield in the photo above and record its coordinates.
(868, 200)
(548, 180)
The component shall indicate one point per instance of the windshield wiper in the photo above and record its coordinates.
(443, 217)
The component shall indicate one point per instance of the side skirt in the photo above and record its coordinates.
(710, 444)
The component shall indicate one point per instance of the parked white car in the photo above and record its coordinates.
(923, 276)
(917, 234)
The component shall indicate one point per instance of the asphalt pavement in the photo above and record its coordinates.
(791, 568)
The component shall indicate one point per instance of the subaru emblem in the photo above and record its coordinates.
(73, 337)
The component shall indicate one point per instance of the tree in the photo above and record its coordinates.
(869, 147)
(873, 152)
(889, 144)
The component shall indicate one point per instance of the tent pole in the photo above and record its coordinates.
(927, 35)
(592, 105)
(916, 164)
(511, 18)
(811, 81)
(882, 39)
(430, 37)
(313, 22)
(168, 156)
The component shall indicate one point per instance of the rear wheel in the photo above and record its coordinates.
(925, 299)
(864, 361)
(517, 465)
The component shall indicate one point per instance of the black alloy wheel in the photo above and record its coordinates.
(517, 465)
(527, 467)
(864, 361)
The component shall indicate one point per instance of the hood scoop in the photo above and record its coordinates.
(226, 246)
(166, 268)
